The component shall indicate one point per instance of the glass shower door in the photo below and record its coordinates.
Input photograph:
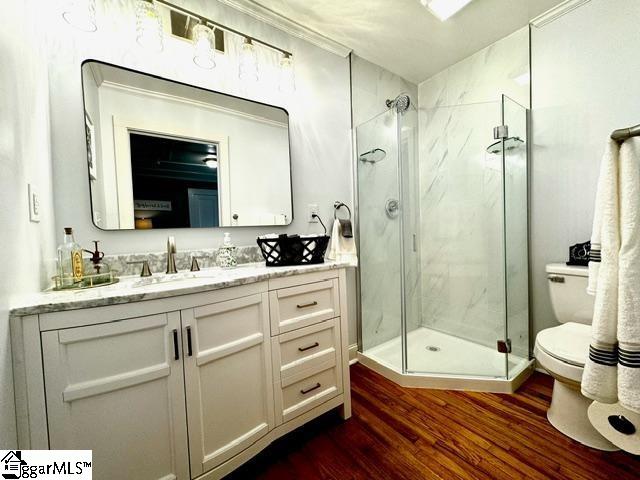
(379, 221)
(514, 116)
(461, 243)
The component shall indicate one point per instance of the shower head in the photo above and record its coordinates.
(510, 143)
(372, 156)
(401, 103)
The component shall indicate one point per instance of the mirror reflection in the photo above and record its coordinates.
(162, 154)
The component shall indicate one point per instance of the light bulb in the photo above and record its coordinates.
(211, 161)
(204, 46)
(149, 26)
(248, 62)
(81, 14)
(287, 76)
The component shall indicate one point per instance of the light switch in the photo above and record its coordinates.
(34, 203)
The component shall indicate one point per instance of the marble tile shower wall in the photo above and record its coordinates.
(376, 127)
(462, 248)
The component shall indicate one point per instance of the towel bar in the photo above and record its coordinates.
(624, 133)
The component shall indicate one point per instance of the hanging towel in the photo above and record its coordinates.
(599, 380)
(629, 277)
(341, 248)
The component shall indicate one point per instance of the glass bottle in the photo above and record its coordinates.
(70, 263)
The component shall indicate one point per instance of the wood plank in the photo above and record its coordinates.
(403, 433)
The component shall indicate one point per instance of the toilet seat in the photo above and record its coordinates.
(563, 350)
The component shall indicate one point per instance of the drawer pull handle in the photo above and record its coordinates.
(304, 349)
(310, 389)
(305, 305)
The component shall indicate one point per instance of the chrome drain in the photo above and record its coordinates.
(432, 348)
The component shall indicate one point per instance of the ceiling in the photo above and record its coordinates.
(403, 36)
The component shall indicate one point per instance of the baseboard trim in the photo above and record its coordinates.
(353, 354)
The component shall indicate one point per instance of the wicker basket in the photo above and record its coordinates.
(293, 250)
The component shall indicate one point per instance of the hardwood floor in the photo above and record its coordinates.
(399, 433)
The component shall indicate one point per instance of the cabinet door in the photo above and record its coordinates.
(228, 378)
(118, 389)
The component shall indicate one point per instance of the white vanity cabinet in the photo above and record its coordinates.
(229, 387)
(184, 387)
(118, 389)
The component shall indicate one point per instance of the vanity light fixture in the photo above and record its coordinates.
(211, 161)
(204, 46)
(287, 76)
(444, 9)
(248, 71)
(81, 14)
(149, 31)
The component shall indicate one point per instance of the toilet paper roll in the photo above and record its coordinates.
(599, 414)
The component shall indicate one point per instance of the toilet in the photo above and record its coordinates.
(563, 350)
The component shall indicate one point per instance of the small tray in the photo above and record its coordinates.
(88, 281)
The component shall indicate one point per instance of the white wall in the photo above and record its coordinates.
(585, 74)
(319, 116)
(462, 247)
(26, 248)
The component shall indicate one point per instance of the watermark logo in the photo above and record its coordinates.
(46, 464)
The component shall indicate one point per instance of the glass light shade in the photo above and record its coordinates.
(149, 26)
(248, 62)
(81, 14)
(204, 46)
(211, 162)
(287, 76)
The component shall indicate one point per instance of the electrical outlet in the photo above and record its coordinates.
(312, 209)
(34, 203)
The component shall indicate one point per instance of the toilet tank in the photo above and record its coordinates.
(568, 291)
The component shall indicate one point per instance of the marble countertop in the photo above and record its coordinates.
(135, 289)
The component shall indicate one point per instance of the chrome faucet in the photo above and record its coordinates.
(171, 255)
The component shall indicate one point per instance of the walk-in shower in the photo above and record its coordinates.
(443, 244)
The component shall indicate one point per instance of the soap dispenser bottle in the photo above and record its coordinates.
(227, 253)
(70, 263)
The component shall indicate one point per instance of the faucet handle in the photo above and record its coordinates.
(195, 267)
(146, 271)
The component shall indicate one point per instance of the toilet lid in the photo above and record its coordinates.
(568, 342)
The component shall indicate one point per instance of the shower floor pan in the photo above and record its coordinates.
(438, 360)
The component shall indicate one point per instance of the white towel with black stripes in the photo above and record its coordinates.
(599, 380)
(612, 371)
(629, 277)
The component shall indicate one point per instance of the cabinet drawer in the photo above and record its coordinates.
(300, 393)
(306, 348)
(297, 307)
